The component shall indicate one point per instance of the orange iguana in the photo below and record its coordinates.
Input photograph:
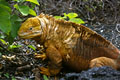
(71, 44)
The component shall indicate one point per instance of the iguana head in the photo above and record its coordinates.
(30, 28)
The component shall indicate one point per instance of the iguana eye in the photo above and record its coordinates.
(30, 28)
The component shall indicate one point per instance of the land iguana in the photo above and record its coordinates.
(68, 43)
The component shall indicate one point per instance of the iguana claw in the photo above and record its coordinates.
(41, 56)
(45, 71)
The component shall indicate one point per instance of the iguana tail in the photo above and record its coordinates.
(118, 60)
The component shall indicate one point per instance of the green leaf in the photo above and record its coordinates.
(3, 41)
(45, 77)
(16, 6)
(32, 12)
(32, 47)
(13, 46)
(15, 18)
(5, 24)
(77, 20)
(24, 10)
(33, 1)
(13, 78)
(65, 14)
(14, 29)
(5, 7)
(58, 17)
(4, 2)
(6, 75)
(72, 15)
(16, 21)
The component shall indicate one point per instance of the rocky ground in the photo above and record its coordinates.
(101, 73)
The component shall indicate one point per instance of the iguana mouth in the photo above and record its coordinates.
(29, 35)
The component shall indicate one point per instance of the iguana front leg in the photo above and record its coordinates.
(103, 61)
(55, 61)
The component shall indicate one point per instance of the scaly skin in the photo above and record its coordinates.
(69, 43)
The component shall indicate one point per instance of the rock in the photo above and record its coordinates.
(98, 73)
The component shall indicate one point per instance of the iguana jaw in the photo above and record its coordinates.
(29, 35)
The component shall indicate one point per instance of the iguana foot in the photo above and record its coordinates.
(45, 71)
(49, 72)
(103, 61)
(41, 56)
